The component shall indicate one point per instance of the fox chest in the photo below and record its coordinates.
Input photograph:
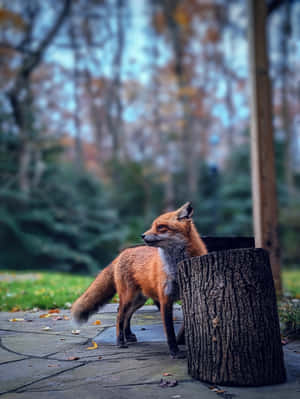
(170, 285)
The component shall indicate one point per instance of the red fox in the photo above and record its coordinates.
(145, 271)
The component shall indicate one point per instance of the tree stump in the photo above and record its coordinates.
(230, 317)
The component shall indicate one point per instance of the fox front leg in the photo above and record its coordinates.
(180, 339)
(167, 317)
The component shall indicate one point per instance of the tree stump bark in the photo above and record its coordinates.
(230, 316)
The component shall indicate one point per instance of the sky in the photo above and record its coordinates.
(137, 65)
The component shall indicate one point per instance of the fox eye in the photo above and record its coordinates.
(162, 227)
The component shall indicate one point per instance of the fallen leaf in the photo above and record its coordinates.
(66, 317)
(168, 383)
(73, 358)
(15, 309)
(17, 319)
(76, 332)
(53, 365)
(97, 323)
(54, 311)
(217, 390)
(46, 328)
(45, 315)
(95, 346)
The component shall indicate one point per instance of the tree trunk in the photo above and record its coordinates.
(264, 193)
(230, 316)
(285, 108)
(79, 156)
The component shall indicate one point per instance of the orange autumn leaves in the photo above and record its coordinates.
(94, 346)
(53, 314)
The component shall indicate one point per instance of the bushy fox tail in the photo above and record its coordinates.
(98, 294)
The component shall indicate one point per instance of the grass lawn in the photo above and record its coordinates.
(24, 291)
(291, 282)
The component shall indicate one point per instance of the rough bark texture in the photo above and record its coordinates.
(230, 316)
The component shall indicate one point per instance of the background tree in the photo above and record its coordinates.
(145, 103)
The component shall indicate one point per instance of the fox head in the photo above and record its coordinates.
(170, 229)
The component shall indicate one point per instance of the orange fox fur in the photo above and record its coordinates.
(145, 271)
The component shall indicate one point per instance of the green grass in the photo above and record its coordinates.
(40, 290)
(43, 290)
(291, 282)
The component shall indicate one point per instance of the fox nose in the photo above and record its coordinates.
(143, 236)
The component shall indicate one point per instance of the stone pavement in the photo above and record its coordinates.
(41, 358)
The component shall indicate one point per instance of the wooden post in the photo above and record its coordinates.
(262, 145)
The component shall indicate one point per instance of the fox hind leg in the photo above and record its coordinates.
(123, 309)
(127, 307)
(139, 302)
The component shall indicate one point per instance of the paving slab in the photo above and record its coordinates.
(143, 332)
(6, 357)
(27, 371)
(37, 363)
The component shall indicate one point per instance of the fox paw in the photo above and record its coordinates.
(122, 345)
(131, 338)
(177, 355)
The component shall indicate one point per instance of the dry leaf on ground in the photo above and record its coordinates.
(17, 319)
(168, 383)
(95, 346)
(57, 318)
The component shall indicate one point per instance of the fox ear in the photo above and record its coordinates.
(185, 212)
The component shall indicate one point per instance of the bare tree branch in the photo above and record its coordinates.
(35, 59)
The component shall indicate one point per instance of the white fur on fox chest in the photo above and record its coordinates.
(170, 268)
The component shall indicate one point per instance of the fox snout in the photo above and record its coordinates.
(150, 239)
